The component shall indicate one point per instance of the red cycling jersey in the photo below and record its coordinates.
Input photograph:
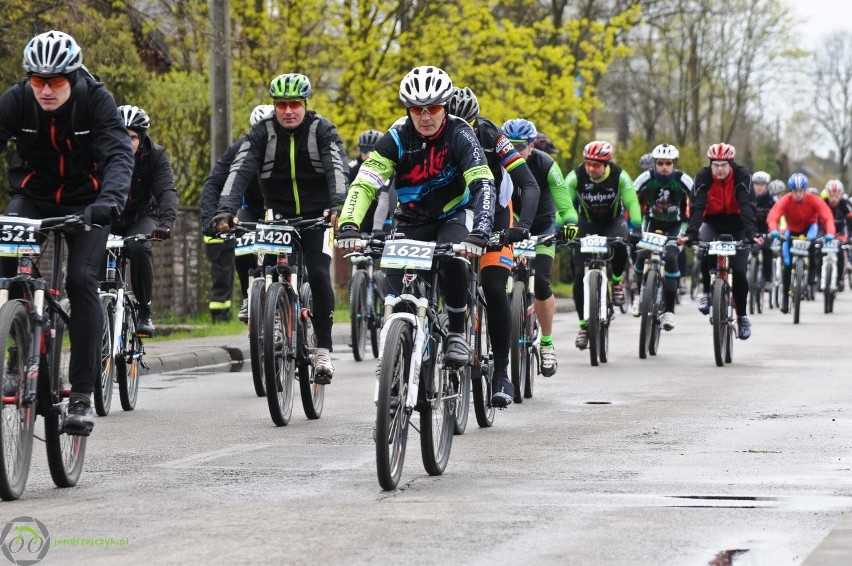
(800, 215)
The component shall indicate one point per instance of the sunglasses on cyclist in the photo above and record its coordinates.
(53, 82)
(665, 163)
(290, 104)
(431, 109)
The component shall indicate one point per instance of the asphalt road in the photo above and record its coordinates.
(668, 460)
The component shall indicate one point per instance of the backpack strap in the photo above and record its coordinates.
(80, 115)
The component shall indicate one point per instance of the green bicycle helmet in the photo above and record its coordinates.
(290, 85)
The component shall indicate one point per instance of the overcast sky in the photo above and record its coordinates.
(820, 17)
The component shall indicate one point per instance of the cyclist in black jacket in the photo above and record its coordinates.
(764, 201)
(220, 252)
(444, 187)
(151, 208)
(302, 172)
(73, 156)
(496, 266)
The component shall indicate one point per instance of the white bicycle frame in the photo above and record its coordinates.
(418, 324)
(829, 260)
(114, 244)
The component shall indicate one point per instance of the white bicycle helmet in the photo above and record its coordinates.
(425, 85)
(260, 112)
(761, 177)
(665, 151)
(134, 118)
(52, 53)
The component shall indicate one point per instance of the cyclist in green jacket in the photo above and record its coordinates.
(601, 190)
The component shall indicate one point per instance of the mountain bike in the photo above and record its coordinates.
(598, 309)
(284, 336)
(652, 300)
(828, 276)
(776, 288)
(721, 296)
(366, 295)
(122, 346)
(33, 362)
(525, 338)
(755, 280)
(411, 374)
(800, 248)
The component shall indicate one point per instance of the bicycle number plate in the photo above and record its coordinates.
(593, 244)
(830, 247)
(722, 248)
(652, 241)
(775, 246)
(114, 241)
(800, 247)
(267, 239)
(18, 236)
(408, 254)
(524, 248)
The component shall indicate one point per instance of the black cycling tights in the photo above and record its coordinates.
(86, 251)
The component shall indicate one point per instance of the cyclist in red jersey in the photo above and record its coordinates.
(803, 212)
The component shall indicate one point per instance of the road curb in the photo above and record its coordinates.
(235, 349)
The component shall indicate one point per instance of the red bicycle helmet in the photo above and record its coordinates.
(598, 151)
(721, 152)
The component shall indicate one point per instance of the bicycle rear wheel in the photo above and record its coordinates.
(517, 339)
(65, 452)
(103, 387)
(392, 417)
(17, 420)
(279, 365)
(255, 328)
(719, 314)
(481, 371)
(358, 314)
(312, 393)
(594, 321)
(695, 278)
(753, 290)
(127, 362)
(436, 421)
(460, 381)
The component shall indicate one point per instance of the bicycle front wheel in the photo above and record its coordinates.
(436, 421)
(482, 371)
(16, 419)
(378, 307)
(392, 417)
(594, 322)
(313, 393)
(647, 312)
(719, 314)
(358, 314)
(103, 387)
(65, 452)
(798, 288)
(828, 292)
(127, 361)
(517, 339)
(255, 328)
(753, 290)
(279, 365)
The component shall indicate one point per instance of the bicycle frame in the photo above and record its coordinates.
(828, 279)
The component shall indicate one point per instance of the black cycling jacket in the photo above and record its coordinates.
(56, 165)
(301, 172)
(152, 191)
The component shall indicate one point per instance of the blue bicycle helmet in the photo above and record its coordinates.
(797, 181)
(519, 130)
